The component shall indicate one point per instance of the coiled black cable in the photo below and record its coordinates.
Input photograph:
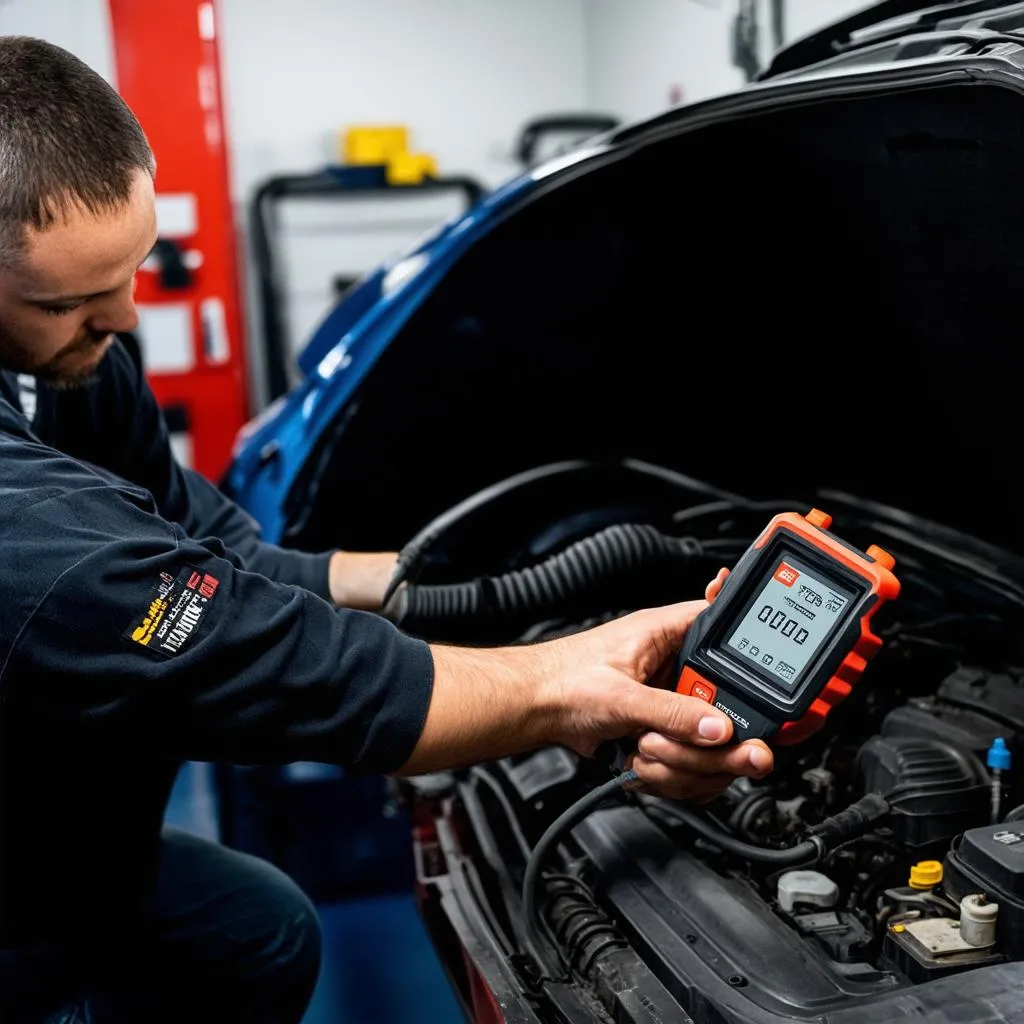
(567, 820)
(581, 928)
(617, 551)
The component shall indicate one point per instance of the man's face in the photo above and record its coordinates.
(72, 289)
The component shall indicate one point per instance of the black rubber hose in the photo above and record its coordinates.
(854, 821)
(804, 852)
(581, 928)
(850, 823)
(749, 809)
(618, 551)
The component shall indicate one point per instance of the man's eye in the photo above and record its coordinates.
(59, 310)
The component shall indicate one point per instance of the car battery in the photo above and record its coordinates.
(990, 860)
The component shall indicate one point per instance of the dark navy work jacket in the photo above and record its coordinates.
(143, 623)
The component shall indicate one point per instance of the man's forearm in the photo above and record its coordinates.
(578, 691)
(486, 704)
(358, 579)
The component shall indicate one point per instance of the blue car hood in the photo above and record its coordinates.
(804, 285)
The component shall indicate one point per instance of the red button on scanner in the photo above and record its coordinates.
(703, 691)
(693, 685)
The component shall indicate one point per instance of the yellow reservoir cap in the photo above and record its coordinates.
(925, 874)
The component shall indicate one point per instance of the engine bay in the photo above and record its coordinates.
(715, 917)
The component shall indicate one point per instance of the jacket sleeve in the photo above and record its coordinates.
(142, 639)
(207, 511)
(184, 496)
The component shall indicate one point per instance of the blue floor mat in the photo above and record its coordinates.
(378, 964)
(379, 967)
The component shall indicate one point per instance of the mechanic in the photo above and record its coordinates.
(143, 624)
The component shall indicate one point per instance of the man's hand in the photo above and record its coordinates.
(358, 579)
(604, 696)
(580, 690)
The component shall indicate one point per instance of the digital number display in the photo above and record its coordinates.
(789, 621)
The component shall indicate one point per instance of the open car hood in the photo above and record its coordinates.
(813, 283)
(892, 29)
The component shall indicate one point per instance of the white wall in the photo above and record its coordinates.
(645, 56)
(464, 75)
(803, 16)
(81, 26)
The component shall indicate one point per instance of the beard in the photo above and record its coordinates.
(69, 369)
(67, 381)
(58, 378)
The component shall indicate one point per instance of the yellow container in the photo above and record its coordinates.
(410, 168)
(374, 144)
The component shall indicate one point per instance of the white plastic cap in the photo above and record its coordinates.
(978, 920)
(807, 887)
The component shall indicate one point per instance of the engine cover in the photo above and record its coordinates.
(936, 789)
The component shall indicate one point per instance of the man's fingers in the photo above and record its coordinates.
(658, 778)
(712, 590)
(751, 758)
(683, 718)
(682, 772)
(666, 626)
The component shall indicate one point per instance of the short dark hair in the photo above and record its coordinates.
(66, 139)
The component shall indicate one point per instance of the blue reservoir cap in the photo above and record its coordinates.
(998, 755)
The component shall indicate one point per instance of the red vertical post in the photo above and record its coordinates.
(168, 71)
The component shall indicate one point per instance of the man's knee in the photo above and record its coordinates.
(292, 937)
(238, 920)
(274, 936)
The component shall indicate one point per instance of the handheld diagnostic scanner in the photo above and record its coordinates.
(789, 634)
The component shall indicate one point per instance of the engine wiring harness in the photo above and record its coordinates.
(842, 807)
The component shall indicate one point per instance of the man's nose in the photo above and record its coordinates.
(116, 315)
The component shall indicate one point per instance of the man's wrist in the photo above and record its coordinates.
(523, 680)
(489, 703)
(539, 667)
(549, 690)
(359, 579)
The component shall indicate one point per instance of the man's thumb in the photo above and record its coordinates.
(688, 719)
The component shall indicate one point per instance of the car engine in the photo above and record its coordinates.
(703, 904)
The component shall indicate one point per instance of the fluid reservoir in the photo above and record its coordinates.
(810, 888)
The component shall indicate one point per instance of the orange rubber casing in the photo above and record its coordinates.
(874, 566)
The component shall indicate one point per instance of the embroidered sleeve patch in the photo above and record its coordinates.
(176, 608)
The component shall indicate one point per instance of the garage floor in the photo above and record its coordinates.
(379, 967)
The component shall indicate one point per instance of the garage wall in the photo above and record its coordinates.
(677, 51)
(464, 75)
(647, 55)
(81, 26)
